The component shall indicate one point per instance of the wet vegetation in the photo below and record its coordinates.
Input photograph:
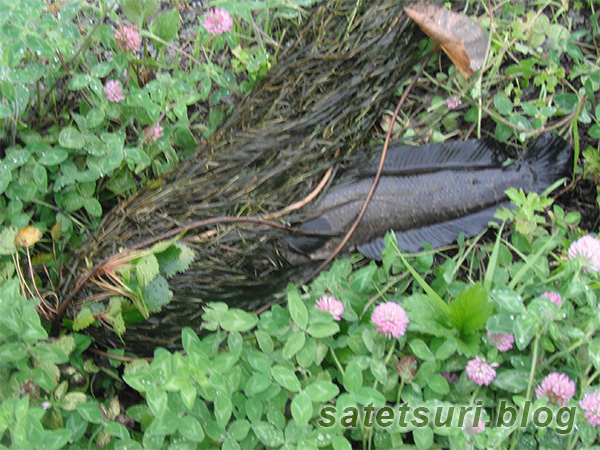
(131, 129)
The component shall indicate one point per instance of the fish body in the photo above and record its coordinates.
(430, 194)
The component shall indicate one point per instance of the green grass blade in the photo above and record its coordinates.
(428, 290)
(489, 273)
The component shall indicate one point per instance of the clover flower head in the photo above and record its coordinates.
(128, 38)
(587, 248)
(113, 91)
(453, 102)
(557, 387)
(217, 21)
(407, 367)
(329, 304)
(480, 371)
(502, 341)
(390, 319)
(472, 430)
(554, 297)
(591, 405)
(155, 132)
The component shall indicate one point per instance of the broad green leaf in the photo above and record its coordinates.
(175, 259)
(293, 345)
(157, 294)
(223, 410)
(115, 315)
(503, 132)
(321, 391)
(157, 400)
(79, 81)
(25, 76)
(307, 444)
(39, 46)
(102, 69)
(341, 443)
(594, 352)
(71, 137)
(146, 269)
(118, 430)
(5, 178)
(307, 354)
(302, 409)
(5, 112)
(7, 240)
(137, 157)
(366, 395)
(379, 371)
(353, 378)
(49, 353)
(53, 157)
(500, 323)
(503, 104)
(363, 277)
(165, 425)
(93, 207)
(257, 383)
(12, 352)
(130, 444)
(508, 300)
(225, 361)
(323, 330)
(264, 342)
(40, 178)
(420, 350)
(205, 86)
(70, 401)
(286, 378)
(423, 437)
(137, 11)
(113, 160)
(470, 311)
(239, 429)
(90, 412)
(268, 434)
(438, 384)
(524, 329)
(595, 131)
(190, 428)
(259, 361)
(254, 409)
(139, 381)
(230, 444)
(94, 117)
(166, 25)
(296, 307)
(238, 320)
(188, 395)
(446, 350)
(566, 102)
(511, 380)
(56, 439)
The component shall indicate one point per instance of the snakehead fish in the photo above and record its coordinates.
(430, 194)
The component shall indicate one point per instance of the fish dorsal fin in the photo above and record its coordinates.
(469, 154)
(437, 235)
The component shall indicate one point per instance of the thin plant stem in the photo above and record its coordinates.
(337, 362)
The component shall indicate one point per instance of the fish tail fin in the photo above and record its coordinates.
(549, 157)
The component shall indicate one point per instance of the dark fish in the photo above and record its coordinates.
(431, 194)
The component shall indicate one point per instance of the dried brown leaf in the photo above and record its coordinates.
(27, 236)
(462, 39)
